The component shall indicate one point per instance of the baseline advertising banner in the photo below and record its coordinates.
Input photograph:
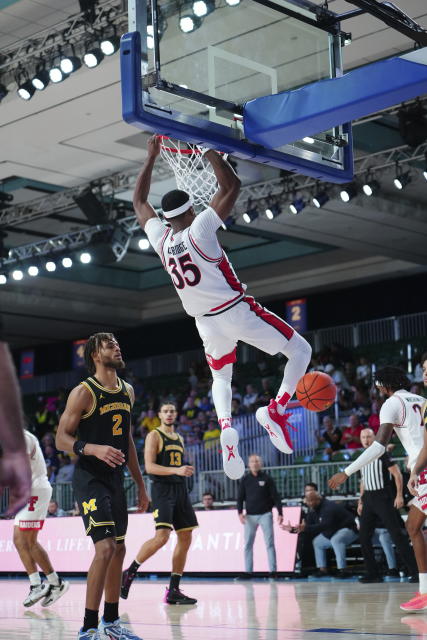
(217, 544)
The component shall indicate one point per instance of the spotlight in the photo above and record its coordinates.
(93, 57)
(308, 140)
(297, 205)
(348, 192)
(50, 266)
(143, 244)
(320, 199)
(402, 180)
(273, 211)
(17, 274)
(3, 92)
(189, 23)
(250, 215)
(26, 90)
(110, 45)
(425, 167)
(41, 80)
(33, 271)
(371, 187)
(57, 75)
(232, 3)
(3, 278)
(69, 64)
(85, 257)
(202, 8)
(425, 173)
(228, 222)
(67, 263)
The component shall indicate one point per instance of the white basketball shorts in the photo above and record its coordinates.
(32, 516)
(247, 321)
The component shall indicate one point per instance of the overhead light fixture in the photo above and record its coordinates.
(348, 192)
(251, 213)
(402, 179)
(202, 8)
(50, 266)
(85, 257)
(320, 198)
(26, 90)
(3, 91)
(189, 23)
(273, 210)
(41, 79)
(70, 64)
(297, 205)
(110, 45)
(308, 140)
(143, 244)
(232, 3)
(425, 167)
(370, 187)
(3, 278)
(57, 75)
(17, 274)
(228, 222)
(67, 262)
(33, 271)
(93, 57)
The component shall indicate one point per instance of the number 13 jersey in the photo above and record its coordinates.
(200, 270)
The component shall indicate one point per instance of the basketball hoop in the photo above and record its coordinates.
(193, 173)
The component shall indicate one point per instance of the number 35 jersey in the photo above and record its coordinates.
(200, 270)
(107, 422)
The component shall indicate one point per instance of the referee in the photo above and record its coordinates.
(376, 500)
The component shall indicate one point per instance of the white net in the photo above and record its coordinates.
(193, 173)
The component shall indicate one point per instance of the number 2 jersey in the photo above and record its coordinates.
(405, 410)
(200, 270)
(107, 422)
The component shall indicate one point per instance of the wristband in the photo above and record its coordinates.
(78, 447)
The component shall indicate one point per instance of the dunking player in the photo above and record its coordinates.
(401, 412)
(210, 291)
(172, 509)
(98, 410)
(28, 522)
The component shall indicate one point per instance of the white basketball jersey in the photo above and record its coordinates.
(404, 410)
(200, 270)
(37, 463)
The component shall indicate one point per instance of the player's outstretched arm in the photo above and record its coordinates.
(15, 471)
(143, 209)
(370, 454)
(420, 465)
(228, 185)
(78, 403)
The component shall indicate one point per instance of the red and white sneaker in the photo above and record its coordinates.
(416, 604)
(234, 467)
(276, 426)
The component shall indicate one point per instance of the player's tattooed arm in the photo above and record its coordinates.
(143, 209)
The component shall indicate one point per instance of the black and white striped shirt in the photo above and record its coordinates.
(376, 474)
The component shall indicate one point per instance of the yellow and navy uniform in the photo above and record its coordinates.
(424, 413)
(170, 501)
(98, 488)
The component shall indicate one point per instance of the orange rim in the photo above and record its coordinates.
(184, 152)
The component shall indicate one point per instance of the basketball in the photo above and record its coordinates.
(316, 391)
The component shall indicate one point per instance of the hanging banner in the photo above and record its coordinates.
(79, 354)
(296, 314)
(26, 369)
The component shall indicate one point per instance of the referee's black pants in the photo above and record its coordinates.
(380, 504)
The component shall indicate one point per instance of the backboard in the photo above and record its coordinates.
(193, 85)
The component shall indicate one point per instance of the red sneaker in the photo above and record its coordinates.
(415, 604)
(276, 426)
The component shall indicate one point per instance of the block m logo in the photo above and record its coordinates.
(89, 506)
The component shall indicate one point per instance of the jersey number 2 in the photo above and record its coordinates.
(186, 266)
(117, 421)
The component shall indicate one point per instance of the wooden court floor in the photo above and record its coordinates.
(228, 610)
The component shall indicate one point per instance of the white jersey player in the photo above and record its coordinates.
(402, 412)
(211, 292)
(28, 522)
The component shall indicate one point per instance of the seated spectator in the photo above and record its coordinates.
(236, 409)
(211, 435)
(208, 501)
(235, 394)
(205, 404)
(267, 393)
(185, 426)
(351, 434)
(337, 376)
(331, 526)
(151, 420)
(190, 408)
(54, 511)
(331, 436)
(363, 370)
(250, 397)
(52, 462)
(66, 469)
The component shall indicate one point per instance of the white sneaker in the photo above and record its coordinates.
(36, 593)
(234, 467)
(276, 426)
(55, 592)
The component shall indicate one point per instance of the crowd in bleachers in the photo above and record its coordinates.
(254, 385)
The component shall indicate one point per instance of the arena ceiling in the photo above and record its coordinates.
(73, 133)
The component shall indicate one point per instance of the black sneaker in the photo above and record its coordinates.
(392, 573)
(175, 596)
(370, 579)
(343, 574)
(127, 579)
(415, 578)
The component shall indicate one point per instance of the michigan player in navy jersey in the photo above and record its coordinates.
(172, 509)
(211, 292)
(96, 425)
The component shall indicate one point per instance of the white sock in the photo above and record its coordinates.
(221, 391)
(298, 352)
(423, 582)
(35, 579)
(53, 579)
